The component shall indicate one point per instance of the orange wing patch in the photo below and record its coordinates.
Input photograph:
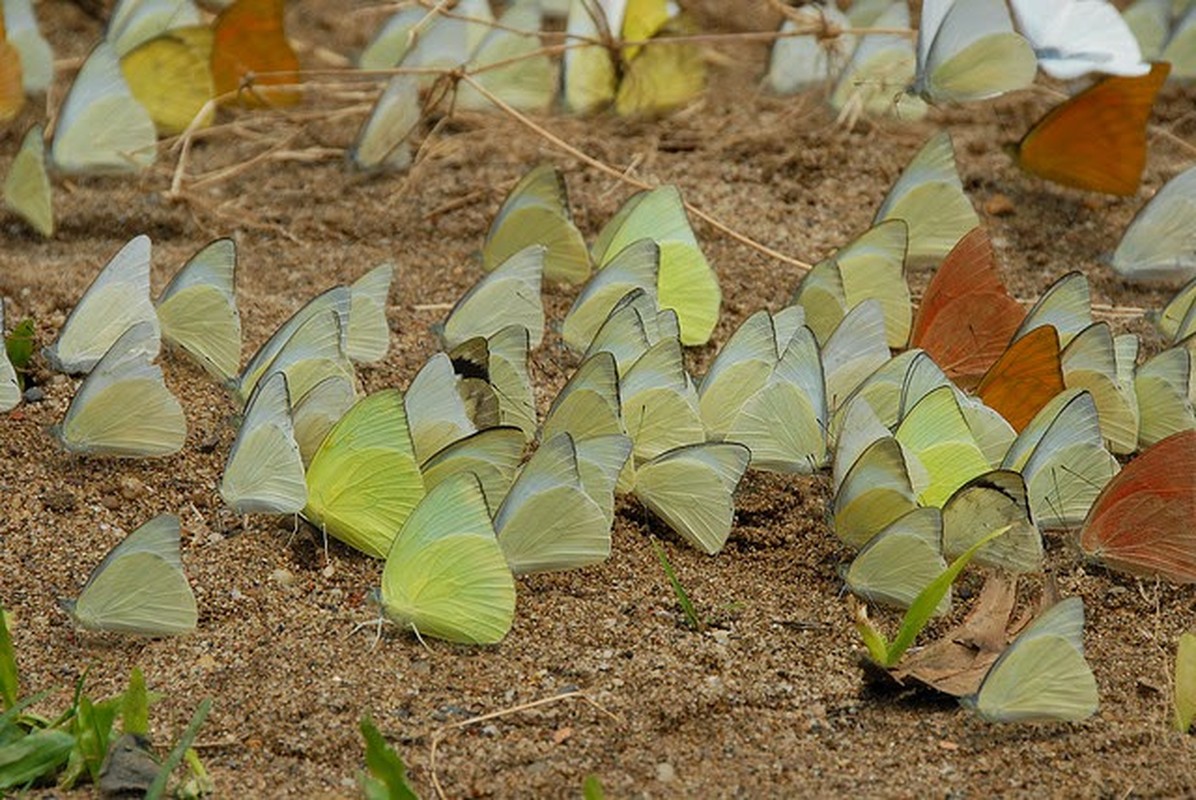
(12, 93)
(1025, 378)
(1097, 139)
(250, 52)
(966, 316)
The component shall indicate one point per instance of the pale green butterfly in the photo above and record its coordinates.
(935, 434)
(123, 408)
(881, 68)
(10, 387)
(437, 414)
(1185, 681)
(892, 389)
(446, 42)
(1162, 388)
(445, 575)
(1104, 365)
(383, 142)
(875, 492)
(600, 462)
(101, 127)
(536, 211)
(1066, 305)
(861, 428)
(37, 60)
(1150, 22)
(871, 266)
(314, 414)
(1178, 318)
(364, 480)
(658, 403)
(1042, 676)
(264, 471)
(967, 50)
(390, 43)
(501, 361)
(198, 309)
(117, 300)
(368, 334)
(929, 196)
(27, 187)
(691, 488)
(548, 522)
(1160, 242)
(139, 587)
(990, 501)
(524, 77)
(855, 349)
(686, 283)
(740, 369)
(1062, 457)
(588, 404)
(492, 455)
(310, 355)
(508, 295)
(633, 326)
(635, 267)
(1180, 47)
(133, 22)
(898, 562)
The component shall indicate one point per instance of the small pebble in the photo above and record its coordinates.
(60, 502)
(283, 577)
(131, 488)
(999, 205)
(665, 772)
(34, 394)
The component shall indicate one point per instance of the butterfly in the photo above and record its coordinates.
(986, 503)
(101, 127)
(501, 361)
(1104, 364)
(536, 211)
(967, 316)
(1024, 379)
(551, 520)
(929, 196)
(511, 65)
(1180, 47)
(588, 404)
(1074, 37)
(685, 282)
(1144, 521)
(492, 455)
(940, 447)
(874, 491)
(1150, 23)
(139, 588)
(10, 387)
(1185, 682)
(123, 408)
(315, 412)
(1178, 318)
(117, 300)
(1042, 676)
(855, 349)
(133, 22)
(811, 59)
(12, 90)
(658, 403)
(634, 325)
(1062, 457)
(510, 294)
(443, 407)
(881, 68)
(768, 393)
(368, 334)
(1162, 387)
(364, 481)
(691, 488)
(27, 187)
(900, 561)
(250, 53)
(1066, 306)
(967, 50)
(264, 471)
(197, 310)
(445, 574)
(171, 76)
(872, 266)
(382, 142)
(395, 36)
(1096, 140)
(37, 60)
(1160, 242)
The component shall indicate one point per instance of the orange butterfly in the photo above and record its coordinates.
(12, 93)
(966, 316)
(1144, 521)
(248, 40)
(1025, 378)
(1097, 139)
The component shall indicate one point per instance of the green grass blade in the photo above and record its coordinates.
(10, 688)
(35, 756)
(687, 606)
(591, 788)
(387, 777)
(1185, 682)
(134, 712)
(158, 787)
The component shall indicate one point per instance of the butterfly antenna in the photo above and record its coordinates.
(415, 630)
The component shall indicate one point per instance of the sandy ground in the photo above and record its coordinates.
(770, 700)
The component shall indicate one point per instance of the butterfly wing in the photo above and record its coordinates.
(198, 309)
(1026, 376)
(264, 471)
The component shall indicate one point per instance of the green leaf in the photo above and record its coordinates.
(158, 787)
(199, 783)
(591, 788)
(92, 729)
(920, 611)
(9, 681)
(1185, 682)
(687, 606)
(134, 713)
(37, 755)
(387, 778)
